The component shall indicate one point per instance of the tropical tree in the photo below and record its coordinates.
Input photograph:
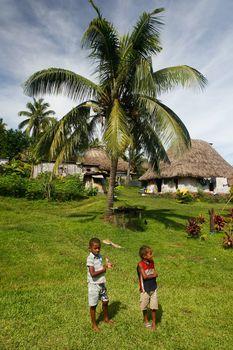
(125, 99)
(3, 133)
(12, 142)
(134, 156)
(16, 143)
(38, 118)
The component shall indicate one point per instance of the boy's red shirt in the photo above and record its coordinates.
(148, 285)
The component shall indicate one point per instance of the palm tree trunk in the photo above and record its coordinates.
(128, 172)
(112, 181)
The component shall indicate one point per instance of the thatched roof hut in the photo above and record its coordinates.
(201, 161)
(98, 157)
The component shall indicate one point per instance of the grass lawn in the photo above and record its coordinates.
(43, 277)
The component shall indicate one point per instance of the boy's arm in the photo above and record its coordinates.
(94, 273)
(145, 276)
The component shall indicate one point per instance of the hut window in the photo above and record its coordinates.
(176, 182)
(203, 181)
(88, 169)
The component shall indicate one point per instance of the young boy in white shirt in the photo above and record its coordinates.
(96, 282)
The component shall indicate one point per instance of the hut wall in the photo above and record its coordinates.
(221, 185)
(64, 169)
(193, 185)
(90, 182)
(168, 185)
(4, 160)
(190, 183)
(151, 187)
(42, 168)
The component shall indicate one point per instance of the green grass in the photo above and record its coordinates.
(43, 277)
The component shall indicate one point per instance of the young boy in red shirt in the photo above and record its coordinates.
(148, 285)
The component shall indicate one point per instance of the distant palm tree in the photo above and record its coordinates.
(125, 100)
(2, 125)
(38, 118)
(134, 156)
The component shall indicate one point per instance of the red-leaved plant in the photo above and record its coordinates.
(228, 240)
(219, 222)
(193, 227)
(231, 213)
(201, 219)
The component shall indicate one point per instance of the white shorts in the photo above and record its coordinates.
(149, 300)
(96, 292)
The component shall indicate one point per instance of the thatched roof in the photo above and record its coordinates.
(201, 160)
(98, 157)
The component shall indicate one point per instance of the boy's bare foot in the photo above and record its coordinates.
(96, 329)
(153, 328)
(109, 322)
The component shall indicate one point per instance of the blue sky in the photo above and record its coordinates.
(38, 34)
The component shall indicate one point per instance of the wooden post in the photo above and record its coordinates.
(211, 214)
(123, 218)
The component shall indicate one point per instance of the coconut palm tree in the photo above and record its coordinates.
(125, 99)
(38, 118)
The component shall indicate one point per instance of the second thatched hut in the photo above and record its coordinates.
(199, 168)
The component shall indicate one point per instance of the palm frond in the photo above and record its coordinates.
(75, 122)
(75, 144)
(102, 39)
(23, 124)
(168, 78)
(145, 36)
(24, 114)
(43, 146)
(117, 133)
(169, 126)
(145, 134)
(96, 8)
(60, 81)
(143, 82)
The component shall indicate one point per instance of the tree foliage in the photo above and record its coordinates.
(125, 101)
(12, 142)
(38, 118)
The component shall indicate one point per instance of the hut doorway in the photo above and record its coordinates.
(159, 184)
(212, 184)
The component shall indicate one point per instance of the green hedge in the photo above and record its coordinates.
(13, 185)
(68, 188)
(61, 189)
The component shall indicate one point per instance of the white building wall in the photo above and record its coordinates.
(221, 185)
(64, 169)
(4, 161)
(191, 184)
(168, 185)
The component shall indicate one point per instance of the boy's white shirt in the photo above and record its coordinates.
(96, 262)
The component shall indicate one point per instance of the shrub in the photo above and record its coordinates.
(193, 228)
(13, 185)
(68, 188)
(18, 167)
(35, 190)
(91, 191)
(219, 222)
(231, 213)
(201, 219)
(228, 240)
(231, 192)
(184, 196)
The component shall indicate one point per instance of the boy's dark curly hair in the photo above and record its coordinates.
(94, 240)
(143, 250)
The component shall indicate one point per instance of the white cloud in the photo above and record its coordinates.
(35, 35)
